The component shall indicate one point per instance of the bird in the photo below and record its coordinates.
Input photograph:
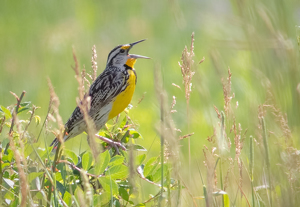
(110, 93)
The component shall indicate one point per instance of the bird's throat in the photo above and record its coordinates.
(130, 62)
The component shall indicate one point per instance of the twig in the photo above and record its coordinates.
(111, 142)
(79, 169)
(17, 108)
(147, 180)
(13, 119)
(158, 194)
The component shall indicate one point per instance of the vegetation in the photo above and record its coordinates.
(216, 131)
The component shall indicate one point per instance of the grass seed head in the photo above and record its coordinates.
(186, 68)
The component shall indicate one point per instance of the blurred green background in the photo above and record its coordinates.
(257, 40)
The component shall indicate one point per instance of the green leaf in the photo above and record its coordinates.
(101, 200)
(140, 205)
(40, 195)
(33, 175)
(96, 200)
(8, 157)
(43, 152)
(226, 200)
(61, 167)
(87, 160)
(124, 194)
(117, 172)
(25, 104)
(140, 159)
(138, 147)
(109, 185)
(6, 112)
(78, 193)
(68, 198)
(60, 187)
(125, 138)
(102, 162)
(9, 182)
(4, 141)
(71, 156)
(9, 195)
(157, 174)
(150, 167)
(117, 203)
(28, 149)
(123, 123)
(135, 135)
(116, 160)
(21, 109)
(5, 165)
(109, 126)
(37, 119)
(58, 177)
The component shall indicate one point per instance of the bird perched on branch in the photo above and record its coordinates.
(109, 94)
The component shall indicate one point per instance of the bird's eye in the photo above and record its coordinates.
(122, 51)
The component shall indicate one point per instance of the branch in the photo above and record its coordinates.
(78, 168)
(13, 119)
(17, 109)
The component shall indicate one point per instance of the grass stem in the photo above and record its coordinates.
(251, 165)
(266, 146)
(162, 146)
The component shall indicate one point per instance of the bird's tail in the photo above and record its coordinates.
(55, 142)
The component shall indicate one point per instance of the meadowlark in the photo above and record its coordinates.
(110, 93)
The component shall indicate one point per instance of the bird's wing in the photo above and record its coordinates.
(104, 89)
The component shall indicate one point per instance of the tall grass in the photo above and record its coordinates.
(228, 134)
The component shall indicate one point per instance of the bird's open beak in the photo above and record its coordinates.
(132, 44)
(136, 56)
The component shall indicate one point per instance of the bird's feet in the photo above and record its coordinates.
(113, 144)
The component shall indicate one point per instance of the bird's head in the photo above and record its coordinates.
(120, 56)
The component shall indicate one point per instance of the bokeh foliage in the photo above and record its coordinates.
(258, 41)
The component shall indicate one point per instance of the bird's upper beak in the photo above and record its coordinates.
(136, 56)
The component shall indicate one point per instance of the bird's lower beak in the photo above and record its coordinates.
(137, 56)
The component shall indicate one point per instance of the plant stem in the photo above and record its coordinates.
(265, 140)
(53, 171)
(13, 119)
(221, 142)
(162, 146)
(251, 165)
(189, 139)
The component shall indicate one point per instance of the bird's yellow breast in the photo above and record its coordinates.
(124, 98)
